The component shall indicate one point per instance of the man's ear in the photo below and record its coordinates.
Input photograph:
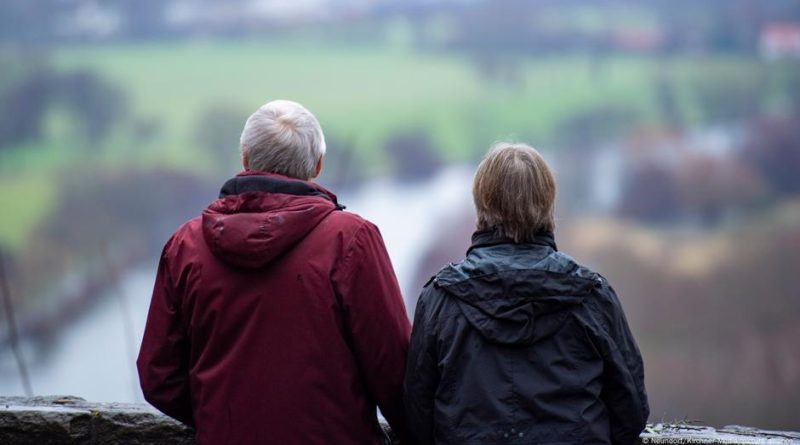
(318, 168)
(245, 158)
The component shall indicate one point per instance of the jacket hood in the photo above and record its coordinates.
(515, 293)
(259, 216)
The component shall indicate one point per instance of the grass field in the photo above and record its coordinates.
(361, 94)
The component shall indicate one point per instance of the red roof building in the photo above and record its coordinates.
(780, 40)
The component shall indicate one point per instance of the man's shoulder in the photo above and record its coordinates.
(347, 222)
(348, 230)
(188, 232)
(190, 227)
(347, 218)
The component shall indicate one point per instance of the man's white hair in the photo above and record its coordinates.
(283, 137)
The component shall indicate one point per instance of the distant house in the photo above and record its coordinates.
(780, 40)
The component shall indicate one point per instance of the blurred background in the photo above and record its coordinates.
(673, 127)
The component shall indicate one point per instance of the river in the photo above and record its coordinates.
(94, 358)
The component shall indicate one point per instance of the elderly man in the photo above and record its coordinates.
(276, 317)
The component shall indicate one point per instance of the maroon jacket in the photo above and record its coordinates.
(276, 318)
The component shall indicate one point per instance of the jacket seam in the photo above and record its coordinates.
(569, 294)
(348, 250)
(472, 277)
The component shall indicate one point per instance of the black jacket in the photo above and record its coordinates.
(519, 344)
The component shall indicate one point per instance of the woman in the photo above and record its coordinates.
(518, 343)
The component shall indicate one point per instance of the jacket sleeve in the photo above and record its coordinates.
(623, 376)
(422, 375)
(375, 320)
(163, 361)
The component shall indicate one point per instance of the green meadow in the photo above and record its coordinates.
(362, 94)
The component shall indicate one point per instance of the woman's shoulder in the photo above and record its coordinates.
(433, 302)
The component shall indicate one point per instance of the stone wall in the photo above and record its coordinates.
(68, 420)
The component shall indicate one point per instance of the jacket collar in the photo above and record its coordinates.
(253, 181)
(484, 238)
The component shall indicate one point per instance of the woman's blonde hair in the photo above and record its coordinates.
(514, 192)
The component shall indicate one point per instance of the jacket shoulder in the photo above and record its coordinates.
(560, 262)
(345, 221)
(189, 232)
(345, 217)
(433, 301)
(189, 227)
(602, 306)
